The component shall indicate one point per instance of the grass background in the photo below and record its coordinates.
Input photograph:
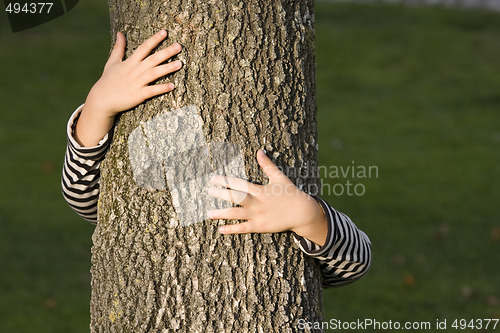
(414, 91)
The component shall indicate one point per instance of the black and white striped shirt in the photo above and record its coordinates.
(345, 256)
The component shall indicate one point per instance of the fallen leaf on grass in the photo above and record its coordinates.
(466, 292)
(495, 234)
(47, 167)
(493, 300)
(409, 280)
(50, 303)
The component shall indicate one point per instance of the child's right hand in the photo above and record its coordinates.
(125, 84)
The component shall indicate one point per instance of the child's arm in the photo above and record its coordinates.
(320, 231)
(80, 175)
(123, 85)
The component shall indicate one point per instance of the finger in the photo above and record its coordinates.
(232, 213)
(160, 71)
(240, 228)
(157, 89)
(145, 48)
(118, 51)
(163, 55)
(270, 169)
(234, 183)
(236, 197)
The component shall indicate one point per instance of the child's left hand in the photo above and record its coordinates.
(276, 207)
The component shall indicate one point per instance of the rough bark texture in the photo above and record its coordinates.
(249, 69)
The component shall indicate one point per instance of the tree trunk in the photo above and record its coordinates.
(248, 80)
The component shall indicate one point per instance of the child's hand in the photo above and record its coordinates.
(276, 207)
(125, 84)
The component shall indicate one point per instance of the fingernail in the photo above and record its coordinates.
(211, 190)
(163, 32)
(177, 46)
(222, 229)
(210, 214)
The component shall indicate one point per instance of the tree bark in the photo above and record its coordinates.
(249, 73)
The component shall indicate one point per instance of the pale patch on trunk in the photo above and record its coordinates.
(171, 152)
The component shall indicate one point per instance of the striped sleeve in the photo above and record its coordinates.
(346, 254)
(80, 174)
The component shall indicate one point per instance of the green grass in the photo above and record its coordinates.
(412, 91)
(415, 92)
(44, 247)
